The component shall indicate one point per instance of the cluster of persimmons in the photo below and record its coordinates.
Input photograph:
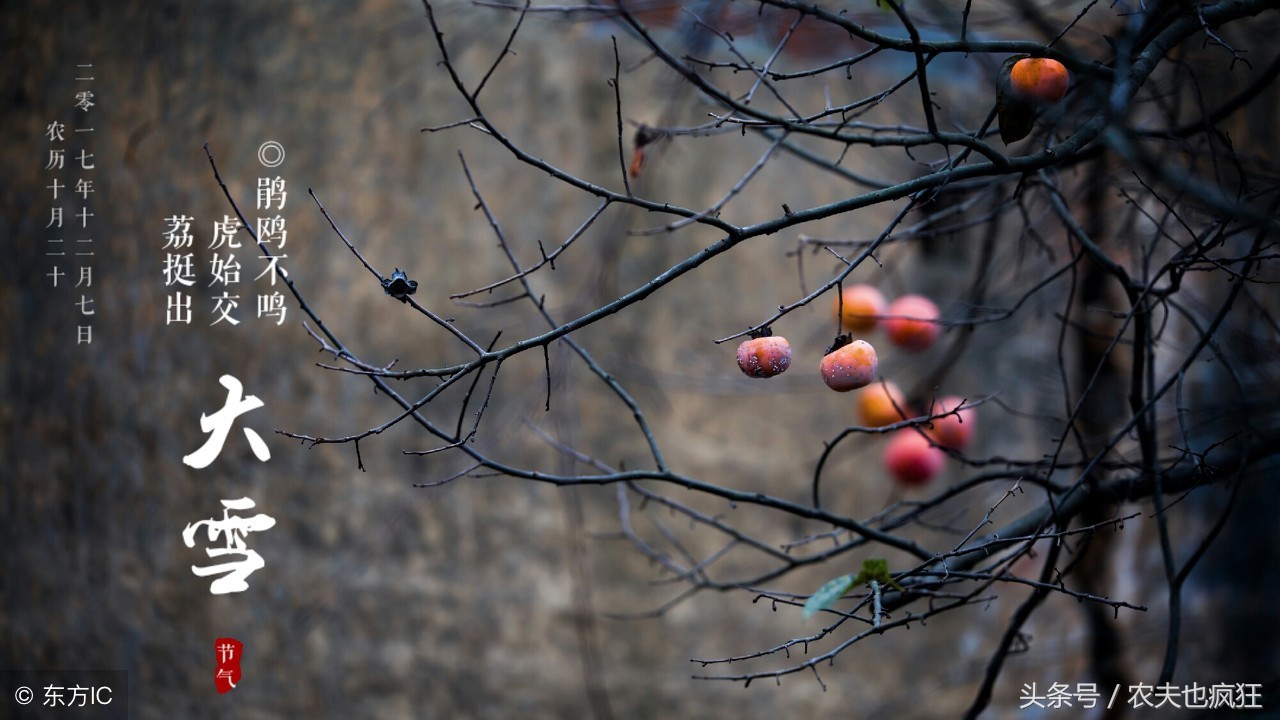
(913, 454)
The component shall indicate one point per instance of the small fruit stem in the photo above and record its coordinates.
(839, 342)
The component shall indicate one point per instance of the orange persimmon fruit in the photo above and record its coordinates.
(849, 364)
(952, 431)
(882, 404)
(764, 356)
(1042, 80)
(910, 459)
(912, 322)
(860, 307)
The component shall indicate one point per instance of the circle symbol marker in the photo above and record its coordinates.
(23, 695)
(271, 154)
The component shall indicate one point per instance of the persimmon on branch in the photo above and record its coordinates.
(1194, 223)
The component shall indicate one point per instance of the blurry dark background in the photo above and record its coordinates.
(485, 597)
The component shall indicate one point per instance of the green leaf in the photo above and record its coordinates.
(1017, 115)
(827, 594)
(878, 570)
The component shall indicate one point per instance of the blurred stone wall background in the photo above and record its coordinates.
(484, 598)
